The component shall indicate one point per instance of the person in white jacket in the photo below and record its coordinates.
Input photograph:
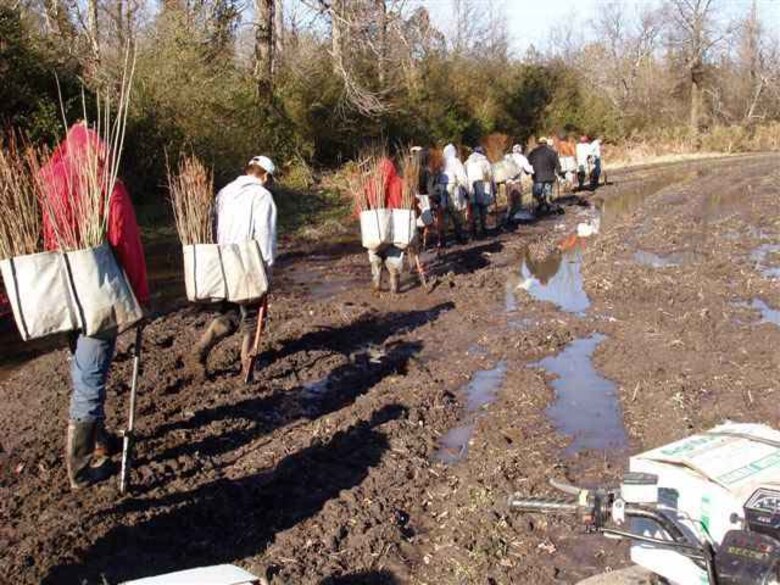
(515, 186)
(245, 210)
(481, 189)
(453, 185)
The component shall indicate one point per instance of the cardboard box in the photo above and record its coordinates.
(704, 482)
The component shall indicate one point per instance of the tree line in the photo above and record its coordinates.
(313, 81)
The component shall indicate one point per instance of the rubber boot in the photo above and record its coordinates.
(218, 329)
(84, 469)
(106, 444)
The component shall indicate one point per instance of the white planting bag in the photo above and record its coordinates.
(245, 274)
(376, 228)
(39, 294)
(404, 227)
(505, 170)
(231, 272)
(105, 302)
(204, 278)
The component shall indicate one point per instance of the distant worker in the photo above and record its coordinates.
(428, 197)
(89, 445)
(481, 189)
(595, 152)
(567, 152)
(453, 186)
(584, 161)
(245, 211)
(546, 167)
(515, 186)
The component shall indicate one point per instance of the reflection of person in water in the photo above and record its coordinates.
(557, 277)
(543, 270)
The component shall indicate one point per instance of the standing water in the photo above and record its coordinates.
(556, 279)
(479, 392)
(586, 405)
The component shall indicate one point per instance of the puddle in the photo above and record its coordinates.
(768, 314)
(633, 195)
(586, 406)
(669, 261)
(454, 445)
(556, 279)
(761, 255)
(316, 389)
(481, 390)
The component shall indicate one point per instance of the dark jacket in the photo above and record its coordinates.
(545, 162)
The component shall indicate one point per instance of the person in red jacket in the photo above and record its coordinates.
(89, 446)
(391, 198)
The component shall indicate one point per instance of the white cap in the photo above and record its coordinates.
(264, 163)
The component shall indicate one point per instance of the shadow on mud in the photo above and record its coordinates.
(368, 578)
(261, 415)
(371, 328)
(233, 519)
(465, 260)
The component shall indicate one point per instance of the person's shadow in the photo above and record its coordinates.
(261, 415)
(233, 519)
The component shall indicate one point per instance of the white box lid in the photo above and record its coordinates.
(216, 575)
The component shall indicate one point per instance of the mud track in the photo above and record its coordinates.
(328, 469)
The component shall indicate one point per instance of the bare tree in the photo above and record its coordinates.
(695, 35)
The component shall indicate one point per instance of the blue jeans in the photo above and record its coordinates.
(89, 367)
(543, 192)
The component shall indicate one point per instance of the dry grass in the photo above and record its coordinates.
(20, 219)
(192, 199)
(80, 221)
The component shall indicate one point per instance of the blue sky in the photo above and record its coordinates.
(531, 21)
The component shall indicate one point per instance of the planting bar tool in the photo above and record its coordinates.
(261, 315)
(128, 435)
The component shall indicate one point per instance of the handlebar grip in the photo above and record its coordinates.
(536, 505)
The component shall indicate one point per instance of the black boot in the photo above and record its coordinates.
(84, 468)
(106, 443)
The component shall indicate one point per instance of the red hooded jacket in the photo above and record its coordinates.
(393, 187)
(123, 233)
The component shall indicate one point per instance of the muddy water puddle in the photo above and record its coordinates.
(768, 314)
(586, 406)
(672, 260)
(481, 391)
(556, 279)
(767, 260)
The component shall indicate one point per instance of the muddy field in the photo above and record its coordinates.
(383, 435)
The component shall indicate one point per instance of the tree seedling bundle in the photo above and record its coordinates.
(213, 272)
(77, 284)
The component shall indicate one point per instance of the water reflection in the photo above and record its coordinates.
(556, 279)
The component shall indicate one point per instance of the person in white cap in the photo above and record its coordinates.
(245, 211)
